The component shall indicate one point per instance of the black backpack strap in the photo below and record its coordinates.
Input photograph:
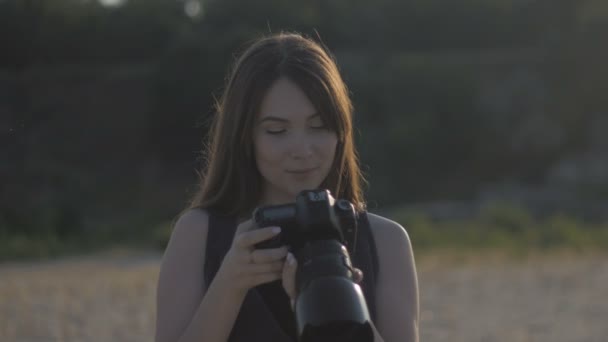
(366, 259)
(350, 233)
(220, 234)
(372, 243)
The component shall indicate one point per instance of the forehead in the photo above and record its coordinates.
(285, 99)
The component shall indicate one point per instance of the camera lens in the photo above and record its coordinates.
(329, 306)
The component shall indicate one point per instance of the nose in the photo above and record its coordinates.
(301, 147)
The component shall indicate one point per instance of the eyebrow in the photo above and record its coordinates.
(278, 119)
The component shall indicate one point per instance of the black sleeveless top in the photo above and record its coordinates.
(266, 314)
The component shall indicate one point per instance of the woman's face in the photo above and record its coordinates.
(294, 150)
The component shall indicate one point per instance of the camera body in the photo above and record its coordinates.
(314, 216)
(318, 229)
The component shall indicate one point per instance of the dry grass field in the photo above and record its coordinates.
(110, 297)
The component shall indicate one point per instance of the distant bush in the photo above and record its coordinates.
(161, 234)
(503, 226)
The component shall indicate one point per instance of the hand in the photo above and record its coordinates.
(244, 266)
(289, 277)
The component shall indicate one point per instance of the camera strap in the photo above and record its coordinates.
(350, 234)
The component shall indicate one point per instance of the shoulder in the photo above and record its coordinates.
(192, 224)
(387, 231)
(183, 259)
(180, 282)
(186, 247)
(393, 244)
(397, 285)
(195, 218)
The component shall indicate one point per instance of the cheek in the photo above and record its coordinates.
(328, 147)
(266, 152)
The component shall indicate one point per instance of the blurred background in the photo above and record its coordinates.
(480, 124)
(463, 109)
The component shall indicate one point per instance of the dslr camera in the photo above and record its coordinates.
(318, 229)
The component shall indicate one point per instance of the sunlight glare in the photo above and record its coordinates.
(192, 8)
(112, 3)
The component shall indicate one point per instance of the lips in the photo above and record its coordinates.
(302, 171)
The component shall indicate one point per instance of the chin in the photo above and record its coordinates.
(289, 191)
(294, 191)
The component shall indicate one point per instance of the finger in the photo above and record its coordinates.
(244, 226)
(273, 267)
(249, 238)
(289, 276)
(268, 255)
(357, 275)
(261, 278)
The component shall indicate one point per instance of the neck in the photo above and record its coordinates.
(275, 198)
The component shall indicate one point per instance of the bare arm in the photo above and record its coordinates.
(397, 287)
(189, 310)
(184, 311)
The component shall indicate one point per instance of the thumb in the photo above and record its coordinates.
(289, 277)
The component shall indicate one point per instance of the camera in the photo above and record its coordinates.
(318, 229)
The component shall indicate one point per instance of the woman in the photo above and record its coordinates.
(283, 124)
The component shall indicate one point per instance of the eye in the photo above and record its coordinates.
(275, 131)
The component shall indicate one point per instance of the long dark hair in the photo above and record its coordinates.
(230, 182)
